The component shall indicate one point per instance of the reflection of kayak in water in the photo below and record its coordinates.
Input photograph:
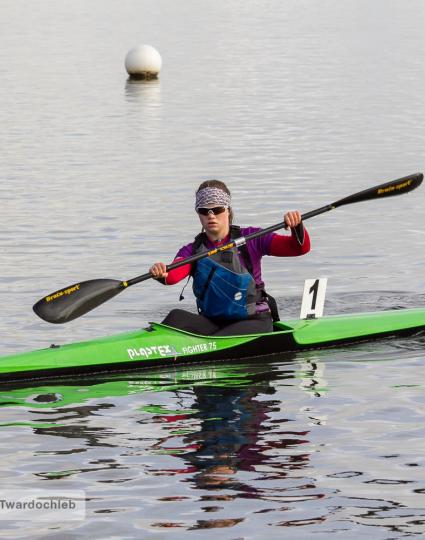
(56, 394)
(159, 345)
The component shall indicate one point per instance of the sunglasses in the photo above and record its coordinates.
(216, 210)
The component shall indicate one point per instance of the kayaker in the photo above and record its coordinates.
(228, 286)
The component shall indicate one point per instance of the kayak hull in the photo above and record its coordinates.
(159, 345)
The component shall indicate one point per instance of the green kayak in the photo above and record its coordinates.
(160, 345)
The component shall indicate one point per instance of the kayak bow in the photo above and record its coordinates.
(160, 345)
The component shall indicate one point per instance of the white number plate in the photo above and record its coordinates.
(313, 300)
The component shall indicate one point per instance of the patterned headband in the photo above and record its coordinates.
(211, 196)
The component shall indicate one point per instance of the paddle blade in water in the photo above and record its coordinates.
(67, 304)
(396, 187)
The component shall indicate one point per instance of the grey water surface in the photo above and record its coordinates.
(294, 104)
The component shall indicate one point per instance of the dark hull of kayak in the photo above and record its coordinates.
(161, 346)
(267, 345)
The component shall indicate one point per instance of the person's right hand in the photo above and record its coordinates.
(158, 270)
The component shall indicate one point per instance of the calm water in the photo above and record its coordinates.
(294, 104)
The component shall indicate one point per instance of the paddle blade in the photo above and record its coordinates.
(396, 187)
(67, 304)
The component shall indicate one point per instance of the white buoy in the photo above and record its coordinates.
(143, 62)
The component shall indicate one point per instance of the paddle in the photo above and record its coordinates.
(76, 300)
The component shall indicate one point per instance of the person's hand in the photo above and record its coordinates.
(292, 218)
(158, 270)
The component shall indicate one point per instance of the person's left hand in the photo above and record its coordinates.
(292, 218)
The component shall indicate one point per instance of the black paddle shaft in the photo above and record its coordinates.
(395, 187)
(76, 300)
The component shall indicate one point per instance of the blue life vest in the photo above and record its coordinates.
(223, 287)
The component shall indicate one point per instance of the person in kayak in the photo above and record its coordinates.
(228, 286)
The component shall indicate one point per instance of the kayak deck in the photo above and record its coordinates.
(160, 345)
(356, 326)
